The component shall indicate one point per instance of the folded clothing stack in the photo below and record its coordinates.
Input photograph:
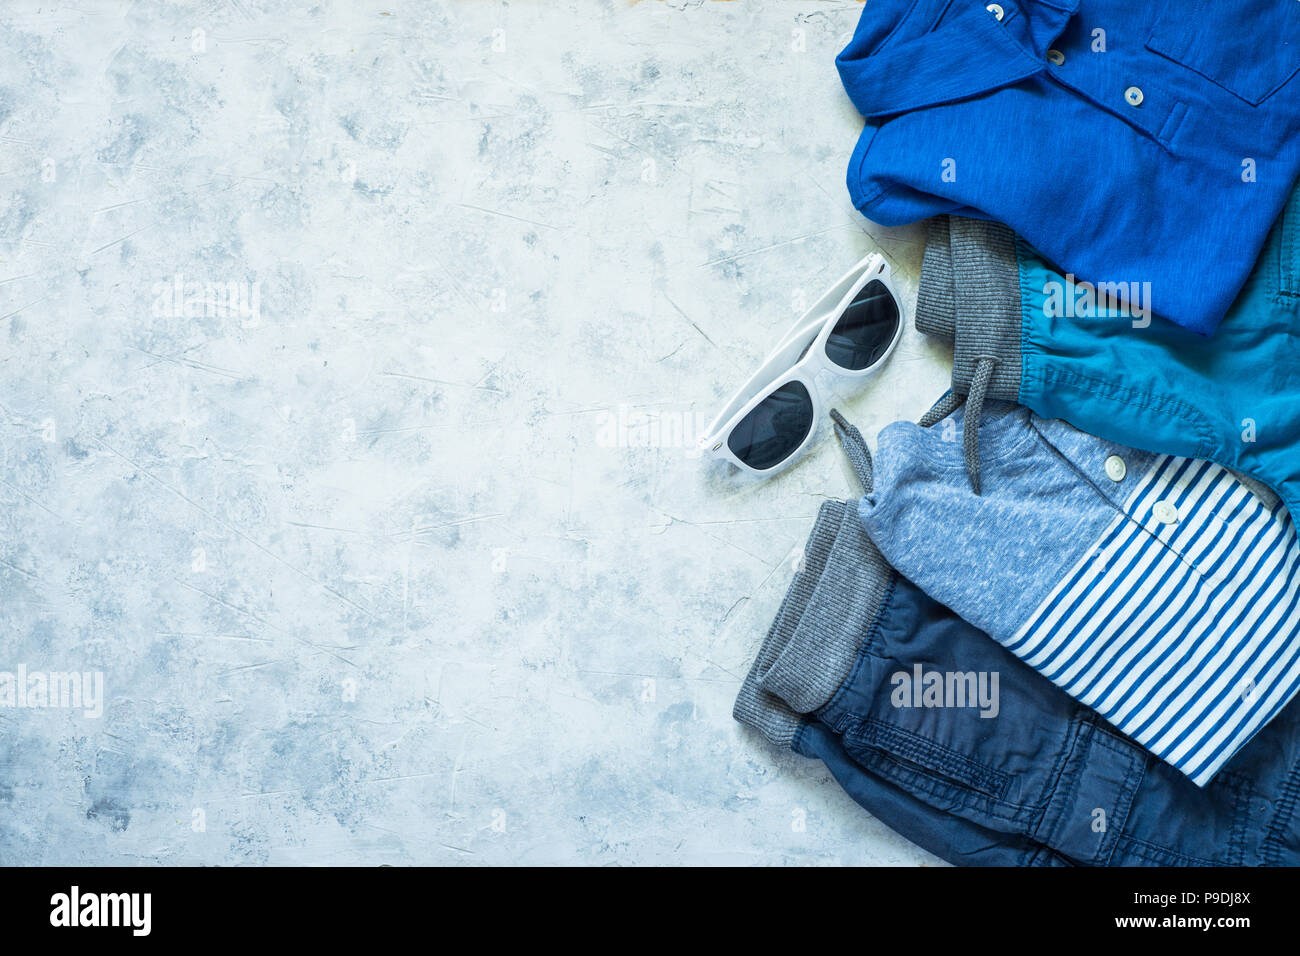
(1063, 624)
(950, 739)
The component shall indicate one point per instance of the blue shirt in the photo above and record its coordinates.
(1128, 142)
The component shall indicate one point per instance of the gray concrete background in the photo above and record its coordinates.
(392, 567)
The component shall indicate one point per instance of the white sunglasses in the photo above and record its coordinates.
(849, 332)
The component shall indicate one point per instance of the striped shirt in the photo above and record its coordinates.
(1180, 629)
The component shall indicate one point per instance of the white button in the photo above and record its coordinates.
(995, 9)
(1133, 96)
(1115, 468)
(1165, 512)
(1056, 56)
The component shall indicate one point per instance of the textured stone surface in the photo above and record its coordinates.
(370, 571)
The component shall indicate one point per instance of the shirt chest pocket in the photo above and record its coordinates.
(1250, 48)
(1223, 531)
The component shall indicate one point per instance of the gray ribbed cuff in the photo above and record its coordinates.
(936, 312)
(969, 294)
(814, 640)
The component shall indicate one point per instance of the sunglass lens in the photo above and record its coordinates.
(775, 429)
(864, 331)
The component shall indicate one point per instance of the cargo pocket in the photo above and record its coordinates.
(906, 758)
(1250, 48)
(1088, 807)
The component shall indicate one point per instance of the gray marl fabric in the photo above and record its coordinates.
(818, 631)
(969, 294)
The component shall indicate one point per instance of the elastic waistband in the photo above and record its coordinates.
(969, 294)
(818, 632)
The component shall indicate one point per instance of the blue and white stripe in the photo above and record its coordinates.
(1184, 635)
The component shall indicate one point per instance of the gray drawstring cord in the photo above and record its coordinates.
(859, 455)
(941, 409)
(970, 432)
(974, 401)
(855, 447)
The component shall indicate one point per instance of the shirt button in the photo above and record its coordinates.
(1165, 512)
(1133, 96)
(1056, 56)
(995, 9)
(1115, 468)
